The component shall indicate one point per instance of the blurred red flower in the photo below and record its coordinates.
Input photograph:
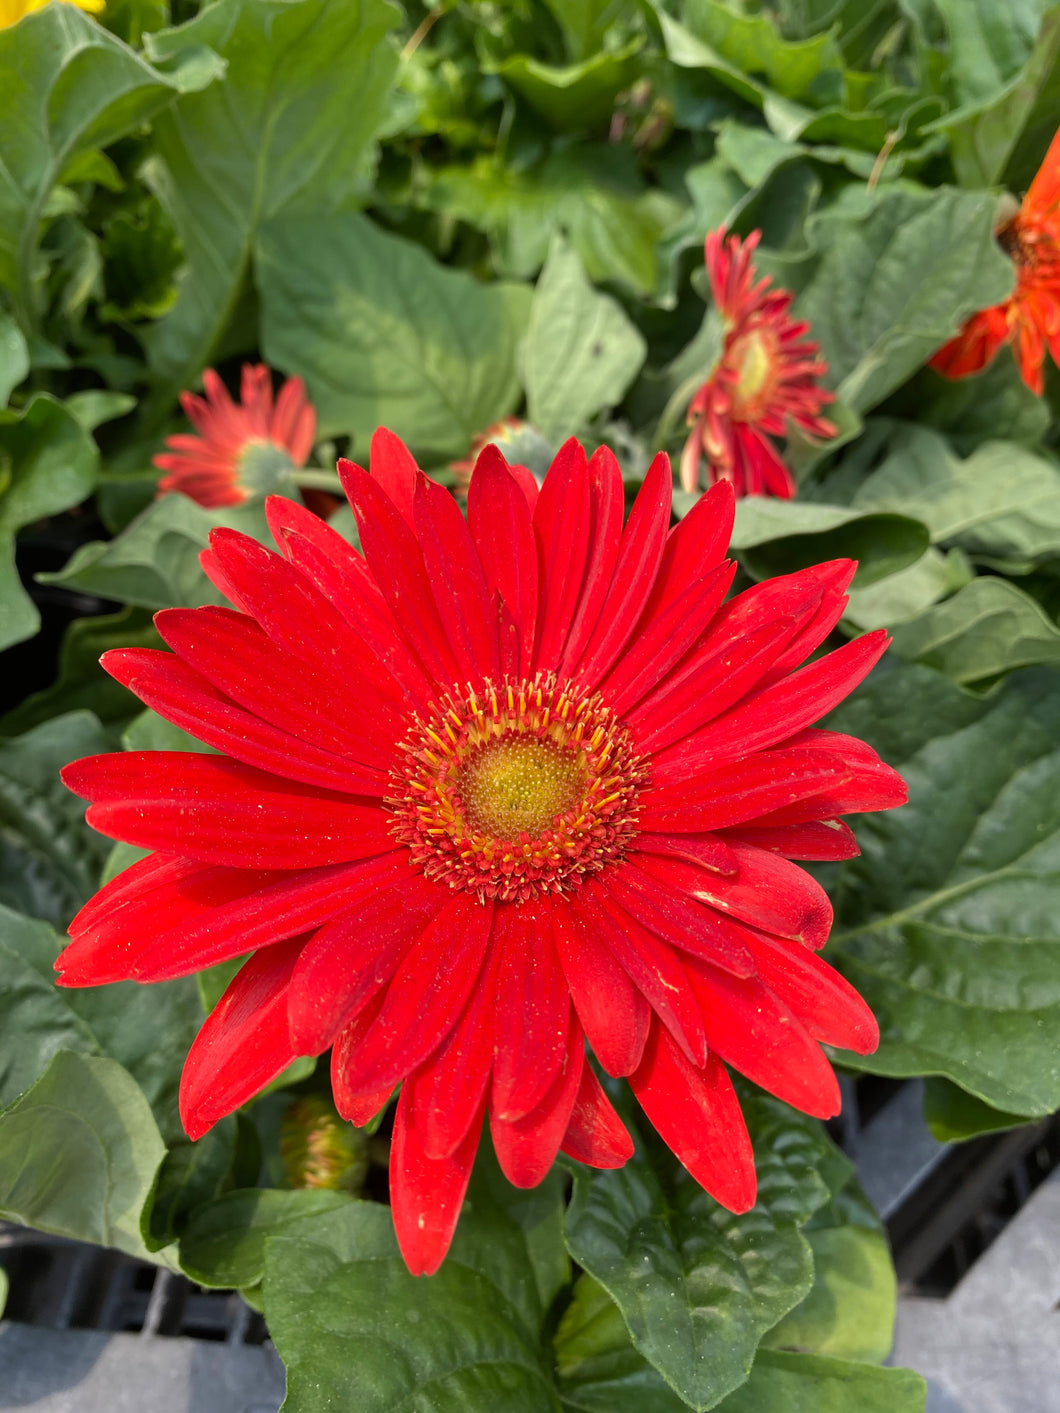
(1029, 319)
(501, 787)
(768, 372)
(243, 448)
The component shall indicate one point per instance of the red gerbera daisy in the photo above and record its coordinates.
(243, 448)
(768, 372)
(1029, 319)
(501, 787)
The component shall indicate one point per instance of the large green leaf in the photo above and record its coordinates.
(148, 1029)
(1002, 502)
(14, 356)
(697, 1286)
(81, 684)
(48, 462)
(355, 1330)
(384, 335)
(1003, 69)
(849, 1313)
(593, 194)
(224, 1243)
(581, 351)
(154, 562)
(949, 922)
(782, 536)
(577, 96)
(989, 627)
(304, 92)
(811, 1383)
(586, 23)
(79, 1153)
(744, 44)
(49, 858)
(896, 273)
(66, 86)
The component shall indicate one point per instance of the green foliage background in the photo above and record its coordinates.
(439, 216)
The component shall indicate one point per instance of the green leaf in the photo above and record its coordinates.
(1003, 501)
(810, 1383)
(697, 1286)
(148, 1029)
(190, 1176)
(79, 1153)
(742, 44)
(49, 858)
(581, 351)
(995, 405)
(989, 627)
(1003, 68)
(908, 593)
(48, 462)
(154, 562)
(81, 684)
(577, 96)
(586, 23)
(355, 1330)
(849, 1313)
(782, 536)
(953, 1115)
(66, 85)
(896, 273)
(223, 1244)
(295, 142)
(593, 194)
(14, 357)
(384, 335)
(949, 922)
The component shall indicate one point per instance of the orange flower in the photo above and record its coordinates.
(243, 448)
(768, 372)
(1029, 319)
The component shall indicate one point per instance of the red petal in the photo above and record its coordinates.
(395, 469)
(826, 839)
(356, 1105)
(708, 850)
(768, 891)
(607, 506)
(561, 530)
(741, 790)
(527, 1147)
(596, 1135)
(697, 1114)
(503, 532)
(214, 809)
(244, 1043)
(776, 713)
(457, 581)
(196, 920)
(232, 652)
(177, 692)
(822, 1000)
(357, 952)
(655, 891)
(611, 1009)
(394, 557)
(653, 968)
(695, 547)
(452, 1083)
(755, 1032)
(532, 1008)
(426, 995)
(643, 542)
(661, 641)
(426, 1193)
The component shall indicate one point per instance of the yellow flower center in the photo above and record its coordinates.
(755, 358)
(528, 788)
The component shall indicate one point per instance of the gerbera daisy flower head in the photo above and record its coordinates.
(1029, 319)
(240, 449)
(768, 373)
(504, 788)
(11, 11)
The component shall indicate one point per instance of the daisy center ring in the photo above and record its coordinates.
(524, 789)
